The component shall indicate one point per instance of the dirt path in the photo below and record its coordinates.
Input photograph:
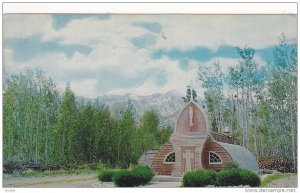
(288, 182)
(69, 181)
(91, 181)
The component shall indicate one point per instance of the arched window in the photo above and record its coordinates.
(214, 158)
(170, 159)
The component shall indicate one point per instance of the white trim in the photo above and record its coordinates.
(167, 157)
(214, 163)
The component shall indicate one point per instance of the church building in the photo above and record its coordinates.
(192, 146)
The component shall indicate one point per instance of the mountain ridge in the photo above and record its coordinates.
(168, 104)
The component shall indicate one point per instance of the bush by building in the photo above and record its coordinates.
(250, 178)
(106, 175)
(232, 176)
(236, 177)
(199, 178)
(136, 176)
(228, 177)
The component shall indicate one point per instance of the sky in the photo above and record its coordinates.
(136, 54)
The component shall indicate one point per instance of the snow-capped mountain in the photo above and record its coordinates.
(168, 104)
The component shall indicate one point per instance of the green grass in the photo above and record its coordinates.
(265, 182)
(32, 173)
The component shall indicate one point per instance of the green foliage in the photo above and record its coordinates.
(149, 135)
(144, 173)
(250, 178)
(136, 176)
(232, 165)
(46, 127)
(198, 178)
(229, 177)
(164, 135)
(106, 175)
(124, 178)
(30, 109)
(235, 177)
(257, 103)
(65, 130)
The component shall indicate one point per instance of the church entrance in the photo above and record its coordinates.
(188, 159)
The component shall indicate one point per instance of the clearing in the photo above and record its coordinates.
(91, 181)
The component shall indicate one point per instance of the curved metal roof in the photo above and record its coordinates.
(241, 156)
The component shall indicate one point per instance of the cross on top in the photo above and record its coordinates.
(190, 95)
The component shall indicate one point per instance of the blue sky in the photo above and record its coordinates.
(138, 54)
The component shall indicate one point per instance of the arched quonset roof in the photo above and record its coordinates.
(241, 156)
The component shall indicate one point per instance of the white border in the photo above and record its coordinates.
(153, 8)
(203, 8)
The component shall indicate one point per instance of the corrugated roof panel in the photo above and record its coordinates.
(241, 156)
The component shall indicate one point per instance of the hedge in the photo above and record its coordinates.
(250, 178)
(136, 176)
(236, 177)
(227, 177)
(199, 178)
(144, 174)
(106, 175)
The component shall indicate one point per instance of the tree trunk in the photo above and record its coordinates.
(293, 140)
(255, 145)
(261, 146)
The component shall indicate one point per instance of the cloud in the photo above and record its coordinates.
(196, 53)
(182, 31)
(61, 20)
(212, 31)
(173, 77)
(144, 41)
(25, 49)
(154, 27)
(85, 88)
(128, 53)
(26, 25)
(115, 32)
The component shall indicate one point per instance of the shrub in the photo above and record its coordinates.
(232, 165)
(106, 175)
(124, 178)
(228, 177)
(236, 177)
(198, 178)
(136, 176)
(250, 178)
(144, 174)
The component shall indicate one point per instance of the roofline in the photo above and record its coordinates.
(220, 145)
(169, 143)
